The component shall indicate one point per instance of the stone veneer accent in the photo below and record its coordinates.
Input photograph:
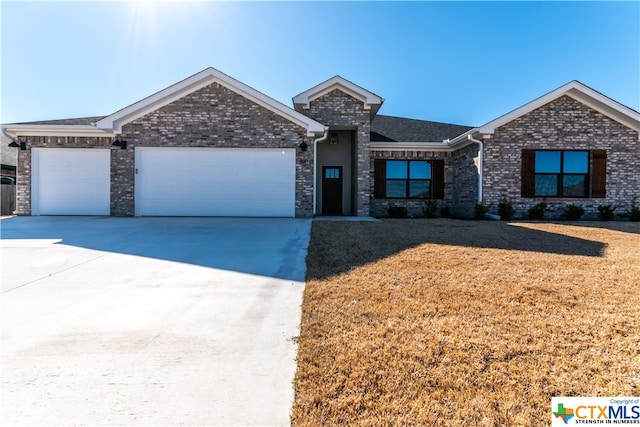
(563, 124)
(336, 108)
(414, 206)
(23, 188)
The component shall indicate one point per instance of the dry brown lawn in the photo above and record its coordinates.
(465, 323)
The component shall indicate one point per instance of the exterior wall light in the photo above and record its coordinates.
(122, 144)
(303, 146)
(17, 143)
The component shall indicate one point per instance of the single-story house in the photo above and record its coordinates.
(213, 146)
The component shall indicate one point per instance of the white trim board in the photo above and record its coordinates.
(191, 84)
(580, 93)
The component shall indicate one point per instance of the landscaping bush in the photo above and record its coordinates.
(634, 210)
(430, 208)
(445, 212)
(538, 211)
(573, 212)
(606, 212)
(505, 209)
(397, 211)
(480, 211)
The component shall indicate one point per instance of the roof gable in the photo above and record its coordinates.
(191, 84)
(370, 100)
(580, 93)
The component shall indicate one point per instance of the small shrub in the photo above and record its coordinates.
(606, 212)
(538, 211)
(445, 212)
(505, 209)
(397, 211)
(480, 210)
(573, 212)
(430, 208)
(634, 210)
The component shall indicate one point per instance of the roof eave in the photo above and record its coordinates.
(463, 140)
(579, 92)
(370, 100)
(410, 146)
(198, 81)
(57, 130)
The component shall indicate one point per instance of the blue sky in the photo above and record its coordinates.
(456, 62)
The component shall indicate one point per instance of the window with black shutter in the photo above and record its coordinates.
(408, 179)
(563, 173)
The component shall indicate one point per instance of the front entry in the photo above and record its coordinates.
(332, 190)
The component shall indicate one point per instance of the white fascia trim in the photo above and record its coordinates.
(198, 81)
(356, 95)
(367, 98)
(410, 146)
(57, 130)
(579, 92)
(462, 140)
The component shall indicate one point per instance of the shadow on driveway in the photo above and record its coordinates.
(150, 321)
(272, 247)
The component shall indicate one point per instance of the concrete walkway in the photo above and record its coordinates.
(150, 321)
(346, 218)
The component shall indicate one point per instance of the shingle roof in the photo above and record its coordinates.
(383, 128)
(77, 121)
(398, 129)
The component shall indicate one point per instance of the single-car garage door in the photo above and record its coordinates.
(70, 181)
(215, 182)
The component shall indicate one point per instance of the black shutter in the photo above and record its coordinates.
(379, 179)
(437, 178)
(599, 173)
(528, 173)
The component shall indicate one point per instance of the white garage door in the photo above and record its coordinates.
(215, 182)
(70, 181)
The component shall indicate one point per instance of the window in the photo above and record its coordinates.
(332, 173)
(409, 179)
(555, 173)
(561, 173)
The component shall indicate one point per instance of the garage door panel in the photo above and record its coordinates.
(70, 181)
(215, 182)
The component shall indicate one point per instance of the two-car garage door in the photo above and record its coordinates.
(168, 182)
(215, 182)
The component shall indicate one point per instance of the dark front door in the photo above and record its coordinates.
(332, 190)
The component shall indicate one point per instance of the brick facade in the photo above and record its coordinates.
(563, 124)
(464, 186)
(414, 206)
(213, 116)
(336, 108)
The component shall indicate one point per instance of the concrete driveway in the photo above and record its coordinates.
(154, 321)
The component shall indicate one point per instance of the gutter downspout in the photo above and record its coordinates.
(315, 165)
(4, 132)
(480, 165)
